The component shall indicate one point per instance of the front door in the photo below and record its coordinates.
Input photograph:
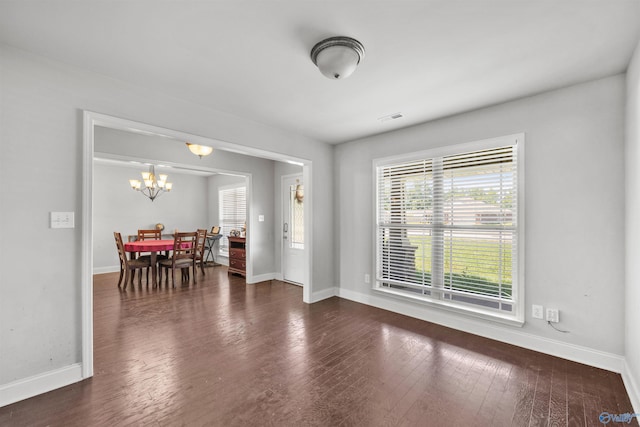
(293, 259)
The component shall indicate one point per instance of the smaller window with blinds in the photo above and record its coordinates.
(232, 205)
(449, 227)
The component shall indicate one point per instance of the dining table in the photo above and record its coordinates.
(153, 247)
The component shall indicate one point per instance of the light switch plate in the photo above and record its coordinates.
(260, 218)
(62, 220)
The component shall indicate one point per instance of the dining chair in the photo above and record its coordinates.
(132, 265)
(184, 256)
(154, 234)
(200, 247)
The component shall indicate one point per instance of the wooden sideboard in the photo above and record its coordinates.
(237, 255)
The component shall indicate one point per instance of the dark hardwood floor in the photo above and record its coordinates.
(224, 353)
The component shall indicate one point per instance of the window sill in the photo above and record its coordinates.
(477, 313)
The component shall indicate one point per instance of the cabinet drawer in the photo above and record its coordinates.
(237, 264)
(237, 253)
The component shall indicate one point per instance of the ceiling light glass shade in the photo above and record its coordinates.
(153, 185)
(199, 150)
(337, 57)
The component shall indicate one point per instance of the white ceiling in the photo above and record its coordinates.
(426, 59)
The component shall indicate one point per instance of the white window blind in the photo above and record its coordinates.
(447, 228)
(232, 202)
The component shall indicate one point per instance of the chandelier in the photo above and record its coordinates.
(153, 185)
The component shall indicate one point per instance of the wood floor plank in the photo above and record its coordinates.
(224, 353)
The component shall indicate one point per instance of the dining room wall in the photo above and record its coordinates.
(116, 207)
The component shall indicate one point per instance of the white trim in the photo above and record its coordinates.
(632, 386)
(248, 180)
(103, 270)
(307, 285)
(86, 284)
(447, 150)
(519, 314)
(42, 383)
(467, 310)
(588, 356)
(261, 278)
(324, 294)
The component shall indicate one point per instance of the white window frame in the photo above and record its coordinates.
(223, 247)
(517, 316)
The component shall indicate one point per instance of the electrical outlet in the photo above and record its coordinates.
(553, 315)
(537, 311)
(367, 278)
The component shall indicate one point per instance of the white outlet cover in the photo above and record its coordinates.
(553, 315)
(537, 311)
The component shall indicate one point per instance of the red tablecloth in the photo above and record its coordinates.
(149, 246)
(153, 246)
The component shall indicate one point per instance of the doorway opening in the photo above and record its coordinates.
(93, 120)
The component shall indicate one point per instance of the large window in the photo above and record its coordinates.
(232, 202)
(448, 227)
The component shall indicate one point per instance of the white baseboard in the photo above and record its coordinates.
(103, 270)
(38, 384)
(633, 390)
(323, 294)
(261, 278)
(588, 356)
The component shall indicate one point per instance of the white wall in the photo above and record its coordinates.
(41, 104)
(632, 225)
(574, 213)
(116, 207)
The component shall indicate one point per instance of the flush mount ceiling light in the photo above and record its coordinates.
(199, 150)
(337, 57)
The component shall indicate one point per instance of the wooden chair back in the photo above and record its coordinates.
(184, 256)
(121, 253)
(127, 264)
(154, 234)
(185, 246)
